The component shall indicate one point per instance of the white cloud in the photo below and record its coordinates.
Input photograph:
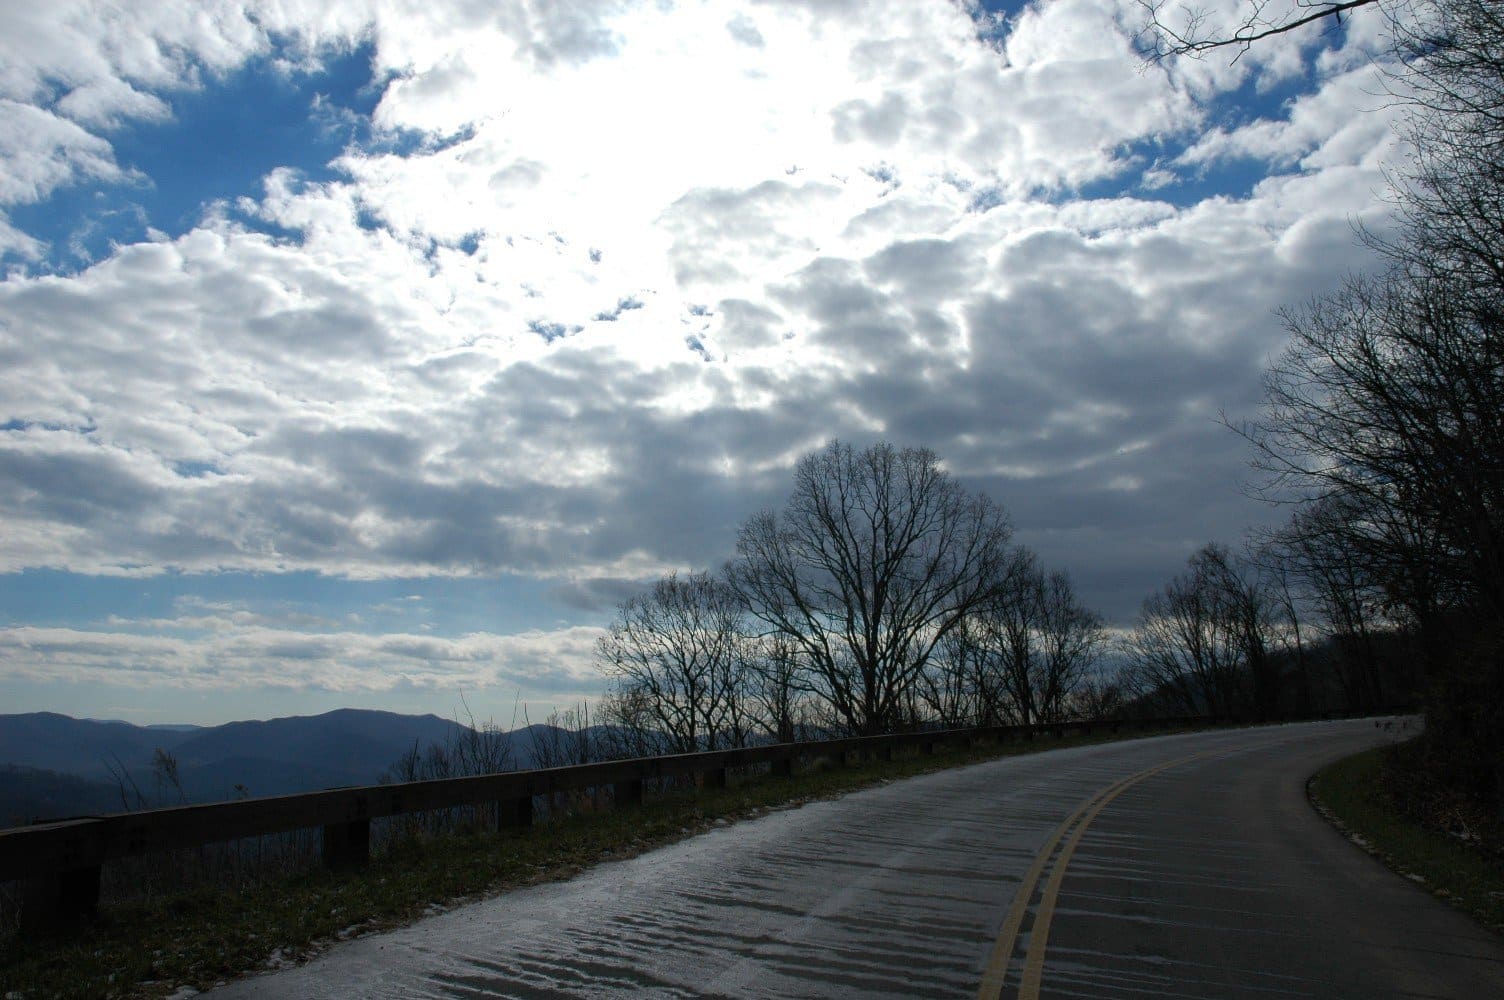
(1349, 119)
(40, 151)
(227, 653)
(633, 260)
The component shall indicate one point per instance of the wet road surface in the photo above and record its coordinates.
(1179, 866)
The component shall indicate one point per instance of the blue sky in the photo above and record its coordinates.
(364, 357)
(222, 138)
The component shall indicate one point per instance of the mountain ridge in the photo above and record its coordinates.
(53, 764)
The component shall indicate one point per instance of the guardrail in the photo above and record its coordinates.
(59, 862)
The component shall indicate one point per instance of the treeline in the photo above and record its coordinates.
(1266, 634)
(883, 597)
(1383, 423)
(1385, 415)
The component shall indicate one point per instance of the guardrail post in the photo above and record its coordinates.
(348, 844)
(885, 752)
(514, 814)
(51, 901)
(783, 767)
(713, 778)
(628, 793)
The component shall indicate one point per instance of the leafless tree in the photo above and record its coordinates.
(1251, 609)
(1451, 80)
(1289, 611)
(1386, 405)
(1322, 552)
(470, 748)
(566, 737)
(1013, 622)
(1188, 648)
(775, 686)
(957, 682)
(679, 648)
(1099, 696)
(1390, 400)
(1020, 656)
(878, 555)
(1071, 638)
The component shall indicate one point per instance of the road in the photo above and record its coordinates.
(1178, 866)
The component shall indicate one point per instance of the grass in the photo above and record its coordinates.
(206, 936)
(1350, 793)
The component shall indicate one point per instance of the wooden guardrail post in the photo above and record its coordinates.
(715, 777)
(514, 814)
(783, 767)
(347, 845)
(60, 898)
(628, 793)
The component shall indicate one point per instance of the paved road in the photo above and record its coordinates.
(1181, 866)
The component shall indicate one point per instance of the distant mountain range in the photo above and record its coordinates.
(53, 766)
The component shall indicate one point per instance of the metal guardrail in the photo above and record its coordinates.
(59, 862)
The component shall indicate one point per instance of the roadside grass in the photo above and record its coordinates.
(203, 937)
(1350, 794)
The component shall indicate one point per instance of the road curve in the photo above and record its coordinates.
(1178, 866)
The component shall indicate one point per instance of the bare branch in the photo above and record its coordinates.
(1196, 37)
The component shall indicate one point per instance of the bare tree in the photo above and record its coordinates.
(1250, 608)
(1020, 656)
(775, 686)
(1188, 647)
(1072, 637)
(1322, 550)
(1100, 696)
(877, 556)
(1012, 623)
(956, 683)
(566, 737)
(469, 748)
(1451, 54)
(1389, 398)
(678, 647)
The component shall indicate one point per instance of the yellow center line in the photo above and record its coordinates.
(1002, 952)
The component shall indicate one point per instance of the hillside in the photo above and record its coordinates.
(28, 793)
(53, 765)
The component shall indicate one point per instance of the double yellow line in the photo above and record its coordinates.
(1002, 951)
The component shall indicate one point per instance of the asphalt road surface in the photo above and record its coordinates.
(1179, 866)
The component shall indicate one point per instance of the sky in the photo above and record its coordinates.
(367, 354)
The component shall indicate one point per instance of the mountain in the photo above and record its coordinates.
(28, 793)
(58, 765)
(54, 742)
(354, 742)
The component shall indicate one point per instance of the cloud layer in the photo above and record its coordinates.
(606, 269)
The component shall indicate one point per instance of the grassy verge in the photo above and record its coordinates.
(1350, 794)
(209, 936)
